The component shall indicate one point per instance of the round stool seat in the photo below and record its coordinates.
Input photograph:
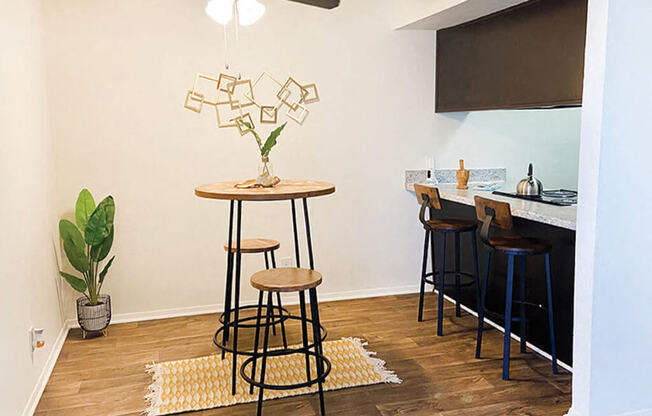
(452, 225)
(286, 279)
(254, 245)
(520, 245)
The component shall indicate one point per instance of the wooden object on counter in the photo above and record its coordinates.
(462, 176)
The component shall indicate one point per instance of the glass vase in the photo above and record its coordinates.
(266, 176)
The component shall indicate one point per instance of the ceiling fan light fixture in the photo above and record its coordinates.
(250, 11)
(221, 11)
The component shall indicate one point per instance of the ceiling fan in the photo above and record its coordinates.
(326, 4)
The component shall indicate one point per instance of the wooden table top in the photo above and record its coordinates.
(286, 189)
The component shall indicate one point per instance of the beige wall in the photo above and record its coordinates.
(27, 215)
(118, 72)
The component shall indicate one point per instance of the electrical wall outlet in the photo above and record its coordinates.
(37, 338)
(285, 262)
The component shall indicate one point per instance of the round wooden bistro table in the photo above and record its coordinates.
(285, 190)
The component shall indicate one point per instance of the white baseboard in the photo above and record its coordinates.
(290, 299)
(644, 412)
(43, 378)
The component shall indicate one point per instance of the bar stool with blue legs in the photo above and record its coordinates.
(429, 199)
(498, 214)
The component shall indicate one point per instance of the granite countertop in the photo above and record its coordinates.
(558, 216)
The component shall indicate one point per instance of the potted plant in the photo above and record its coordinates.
(266, 176)
(87, 245)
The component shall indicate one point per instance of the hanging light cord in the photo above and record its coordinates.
(236, 28)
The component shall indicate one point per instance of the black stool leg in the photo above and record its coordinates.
(259, 314)
(267, 267)
(304, 330)
(442, 274)
(458, 291)
(424, 267)
(316, 334)
(483, 297)
(550, 318)
(476, 273)
(265, 345)
(280, 306)
(522, 304)
(236, 310)
(508, 315)
(229, 281)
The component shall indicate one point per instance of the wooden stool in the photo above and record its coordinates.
(253, 246)
(288, 280)
(499, 214)
(428, 197)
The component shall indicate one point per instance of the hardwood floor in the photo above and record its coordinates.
(105, 375)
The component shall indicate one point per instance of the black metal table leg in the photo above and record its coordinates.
(297, 252)
(280, 305)
(236, 310)
(267, 267)
(229, 280)
(308, 236)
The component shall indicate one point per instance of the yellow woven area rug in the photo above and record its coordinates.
(205, 382)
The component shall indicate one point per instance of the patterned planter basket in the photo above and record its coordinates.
(94, 318)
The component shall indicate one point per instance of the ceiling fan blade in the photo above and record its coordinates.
(326, 4)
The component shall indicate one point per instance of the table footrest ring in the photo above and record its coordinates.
(217, 338)
(276, 319)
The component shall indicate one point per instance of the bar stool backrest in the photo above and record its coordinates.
(428, 197)
(491, 212)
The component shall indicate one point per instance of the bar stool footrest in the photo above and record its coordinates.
(463, 281)
(279, 353)
(277, 319)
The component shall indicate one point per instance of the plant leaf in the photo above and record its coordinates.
(99, 253)
(84, 208)
(108, 205)
(96, 230)
(105, 269)
(271, 140)
(73, 245)
(78, 284)
(252, 131)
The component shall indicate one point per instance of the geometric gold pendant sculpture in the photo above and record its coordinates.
(234, 99)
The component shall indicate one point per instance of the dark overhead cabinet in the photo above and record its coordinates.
(527, 56)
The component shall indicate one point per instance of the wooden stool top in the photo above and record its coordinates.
(449, 224)
(254, 245)
(286, 279)
(286, 189)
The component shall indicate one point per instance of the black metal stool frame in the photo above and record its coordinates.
(322, 363)
(234, 261)
(508, 318)
(438, 278)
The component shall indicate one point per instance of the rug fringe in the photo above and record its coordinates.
(378, 364)
(154, 398)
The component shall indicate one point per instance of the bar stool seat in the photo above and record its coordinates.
(286, 279)
(254, 245)
(515, 244)
(452, 225)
